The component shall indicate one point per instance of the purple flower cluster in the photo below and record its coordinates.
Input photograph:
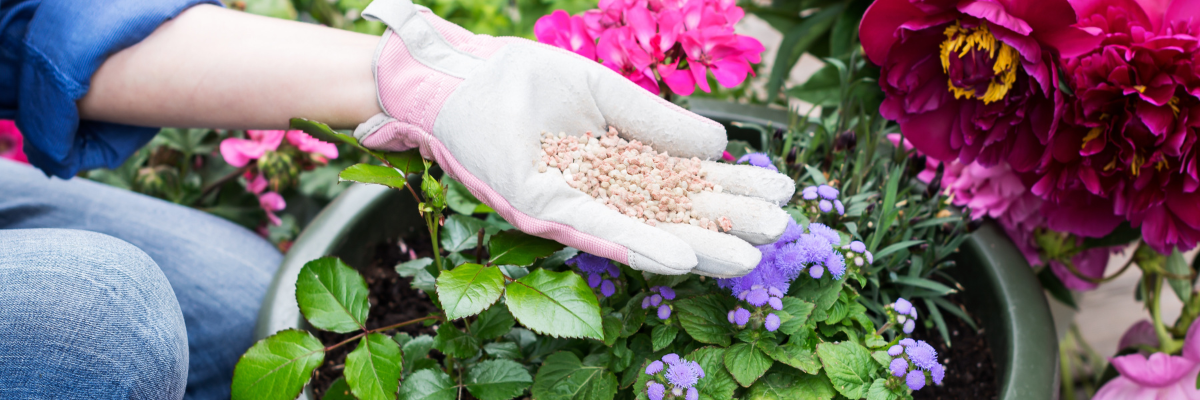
(661, 294)
(759, 297)
(673, 375)
(594, 268)
(761, 160)
(917, 354)
(906, 315)
(856, 252)
(825, 197)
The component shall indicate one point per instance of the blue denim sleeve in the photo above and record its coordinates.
(49, 50)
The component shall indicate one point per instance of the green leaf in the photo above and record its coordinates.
(882, 357)
(375, 174)
(787, 384)
(508, 350)
(1178, 266)
(461, 232)
(938, 287)
(562, 377)
(817, 176)
(822, 293)
(879, 391)
(415, 350)
(795, 43)
(704, 318)
(612, 329)
(332, 296)
(792, 354)
(460, 199)
(889, 202)
(559, 304)
(632, 316)
(519, 248)
(411, 268)
(373, 368)
(894, 247)
(662, 336)
(1124, 234)
(408, 162)
(338, 390)
(717, 384)
(799, 310)
(493, 322)
(746, 363)
(468, 289)
(428, 384)
(1056, 288)
(823, 88)
(497, 380)
(455, 343)
(849, 366)
(277, 367)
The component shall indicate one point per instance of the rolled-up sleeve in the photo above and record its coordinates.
(49, 50)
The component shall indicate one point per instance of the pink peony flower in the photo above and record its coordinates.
(239, 152)
(972, 79)
(11, 142)
(561, 30)
(1158, 377)
(309, 144)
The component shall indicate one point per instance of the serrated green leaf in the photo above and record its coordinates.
(323, 132)
(461, 232)
(746, 363)
(662, 336)
(332, 296)
(632, 315)
(792, 354)
(882, 357)
(612, 329)
(822, 293)
(374, 174)
(373, 368)
(849, 367)
(497, 380)
(455, 343)
(1177, 265)
(558, 304)
(459, 198)
(788, 384)
(493, 322)
(411, 268)
(277, 367)
(468, 289)
(508, 350)
(409, 161)
(799, 310)
(717, 384)
(338, 390)
(562, 377)
(702, 318)
(519, 248)
(428, 384)
(415, 350)
(879, 391)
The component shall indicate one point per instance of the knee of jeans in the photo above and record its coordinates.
(87, 313)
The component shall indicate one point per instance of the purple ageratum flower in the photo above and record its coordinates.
(790, 233)
(915, 379)
(593, 280)
(741, 316)
(809, 193)
(757, 297)
(645, 302)
(693, 394)
(913, 313)
(775, 303)
(774, 291)
(836, 265)
(761, 160)
(791, 258)
(671, 358)
(607, 288)
(909, 326)
(938, 372)
(922, 355)
(667, 293)
(655, 390)
(772, 322)
(870, 257)
(902, 306)
(858, 247)
(841, 209)
(654, 367)
(825, 206)
(731, 316)
(895, 350)
(908, 342)
(814, 248)
(827, 192)
(613, 271)
(816, 271)
(899, 366)
(589, 263)
(655, 300)
(684, 374)
(825, 232)
(664, 312)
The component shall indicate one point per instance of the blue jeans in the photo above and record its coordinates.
(108, 294)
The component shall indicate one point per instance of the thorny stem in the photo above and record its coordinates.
(383, 329)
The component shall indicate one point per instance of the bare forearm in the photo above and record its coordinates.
(217, 68)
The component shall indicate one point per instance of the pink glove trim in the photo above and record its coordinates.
(411, 92)
(396, 132)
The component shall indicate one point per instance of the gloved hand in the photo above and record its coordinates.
(477, 105)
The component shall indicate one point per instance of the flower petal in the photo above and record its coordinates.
(1158, 370)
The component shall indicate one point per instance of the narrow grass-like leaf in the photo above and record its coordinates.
(894, 247)
(938, 321)
(924, 283)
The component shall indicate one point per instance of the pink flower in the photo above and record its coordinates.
(255, 183)
(1158, 377)
(622, 54)
(271, 202)
(309, 144)
(561, 30)
(1090, 263)
(11, 142)
(718, 49)
(238, 152)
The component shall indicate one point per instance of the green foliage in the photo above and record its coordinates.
(564, 376)
(468, 289)
(332, 295)
(497, 380)
(784, 384)
(428, 384)
(373, 368)
(558, 304)
(277, 367)
(455, 343)
(701, 317)
(519, 248)
(849, 366)
(746, 363)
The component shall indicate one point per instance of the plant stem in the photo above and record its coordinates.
(1166, 343)
(1064, 363)
(1075, 271)
(221, 181)
(432, 221)
(383, 329)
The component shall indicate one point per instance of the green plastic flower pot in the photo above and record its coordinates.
(999, 285)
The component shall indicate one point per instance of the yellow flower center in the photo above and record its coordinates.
(962, 41)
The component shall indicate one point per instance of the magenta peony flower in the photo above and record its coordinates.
(973, 79)
(11, 142)
(1160, 376)
(239, 152)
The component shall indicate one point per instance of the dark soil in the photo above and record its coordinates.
(970, 371)
(393, 300)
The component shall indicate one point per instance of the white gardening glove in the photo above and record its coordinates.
(477, 105)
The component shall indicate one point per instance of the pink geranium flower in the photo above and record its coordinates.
(239, 152)
(1158, 377)
(11, 142)
(269, 201)
(564, 31)
(309, 144)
